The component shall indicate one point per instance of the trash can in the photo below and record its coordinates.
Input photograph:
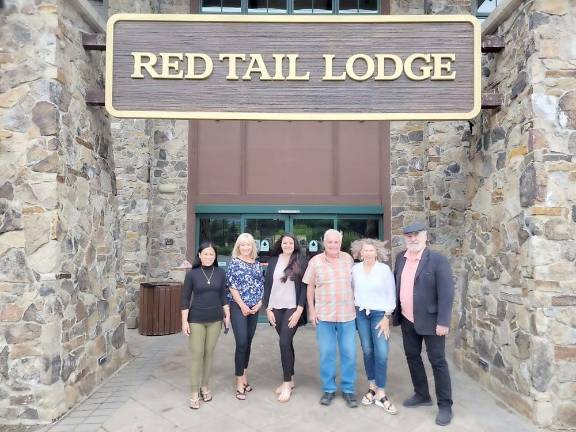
(160, 308)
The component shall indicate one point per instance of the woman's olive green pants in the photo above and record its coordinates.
(203, 338)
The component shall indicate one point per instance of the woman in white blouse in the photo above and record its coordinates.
(375, 300)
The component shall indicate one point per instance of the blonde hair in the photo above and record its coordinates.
(242, 238)
(382, 252)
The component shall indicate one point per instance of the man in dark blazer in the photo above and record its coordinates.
(424, 292)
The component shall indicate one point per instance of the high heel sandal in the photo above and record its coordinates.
(206, 395)
(195, 402)
(240, 395)
(368, 398)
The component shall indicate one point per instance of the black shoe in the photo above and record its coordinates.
(416, 401)
(327, 398)
(350, 399)
(444, 416)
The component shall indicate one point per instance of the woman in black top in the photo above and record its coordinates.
(205, 285)
(285, 303)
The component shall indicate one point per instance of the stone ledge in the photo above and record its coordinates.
(90, 14)
(502, 12)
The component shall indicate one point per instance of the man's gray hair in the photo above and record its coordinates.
(333, 231)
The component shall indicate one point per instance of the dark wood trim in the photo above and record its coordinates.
(492, 43)
(94, 97)
(491, 100)
(192, 188)
(385, 181)
(193, 136)
(94, 41)
(385, 7)
(243, 157)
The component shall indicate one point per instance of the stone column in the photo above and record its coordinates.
(169, 187)
(132, 142)
(407, 157)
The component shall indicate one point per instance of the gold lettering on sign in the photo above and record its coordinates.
(369, 67)
(232, 76)
(208, 66)
(379, 67)
(439, 67)
(328, 73)
(381, 59)
(279, 66)
(426, 70)
(168, 65)
(292, 72)
(139, 64)
(257, 65)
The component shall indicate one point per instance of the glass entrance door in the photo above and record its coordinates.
(266, 230)
(309, 229)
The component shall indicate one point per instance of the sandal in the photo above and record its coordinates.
(240, 395)
(279, 388)
(248, 387)
(368, 398)
(195, 403)
(284, 395)
(388, 406)
(206, 395)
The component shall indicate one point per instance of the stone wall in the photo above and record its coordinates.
(518, 332)
(61, 305)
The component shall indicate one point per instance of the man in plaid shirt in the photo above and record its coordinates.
(331, 310)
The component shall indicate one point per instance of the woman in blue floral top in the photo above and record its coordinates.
(246, 283)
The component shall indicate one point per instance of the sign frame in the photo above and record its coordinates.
(289, 116)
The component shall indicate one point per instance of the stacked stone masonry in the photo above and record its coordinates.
(517, 332)
(62, 306)
(91, 206)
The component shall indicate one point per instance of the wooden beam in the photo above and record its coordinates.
(94, 97)
(94, 41)
(491, 100)
(492, 43)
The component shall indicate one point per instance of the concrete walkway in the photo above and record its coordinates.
(151, 393)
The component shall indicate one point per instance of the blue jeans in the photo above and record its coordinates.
(329, 334)
(374, 348)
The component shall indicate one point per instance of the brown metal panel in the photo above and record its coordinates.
(359, 158)
(289, 158)
(218, 170)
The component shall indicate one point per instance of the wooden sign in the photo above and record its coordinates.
(362, 67)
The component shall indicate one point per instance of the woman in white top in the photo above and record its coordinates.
(375, 300)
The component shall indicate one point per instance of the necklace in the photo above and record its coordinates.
(208, 279)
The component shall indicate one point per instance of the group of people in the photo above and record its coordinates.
(337, 296)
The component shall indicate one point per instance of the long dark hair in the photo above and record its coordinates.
(205, 245)
(294, 268)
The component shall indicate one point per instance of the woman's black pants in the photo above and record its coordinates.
(286, 334)
(244, 328)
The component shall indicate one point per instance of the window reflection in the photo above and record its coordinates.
(222, 231)
(291, 6)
